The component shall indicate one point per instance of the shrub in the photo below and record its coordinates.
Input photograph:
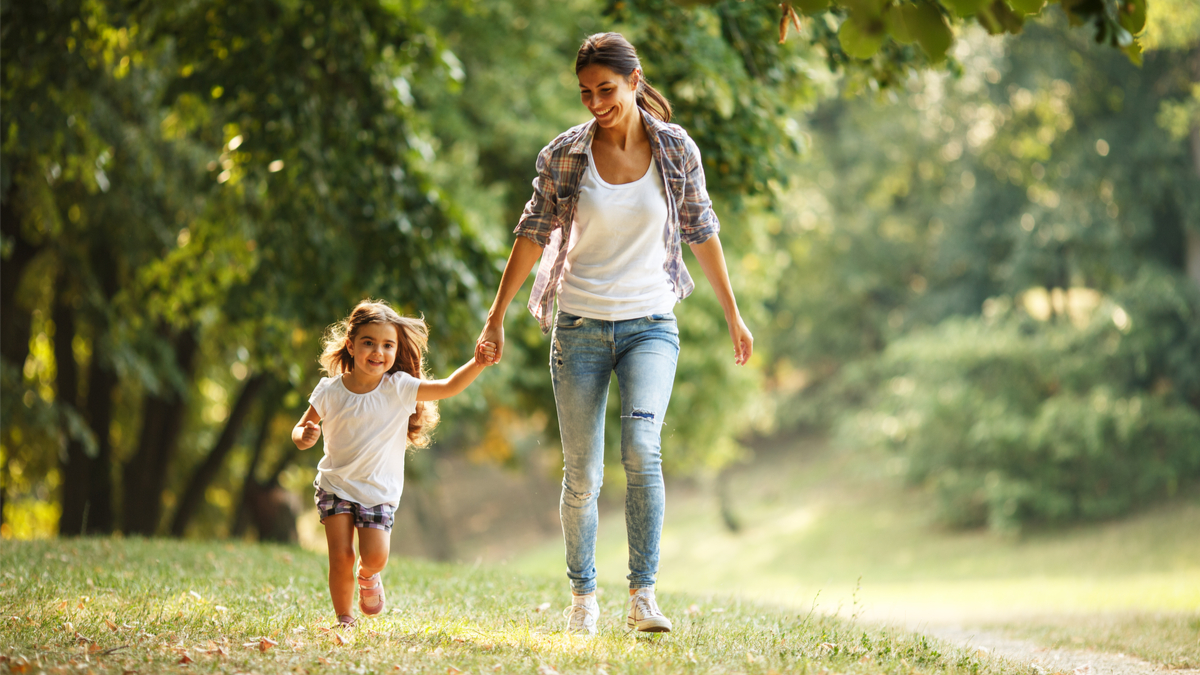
(1012, 421)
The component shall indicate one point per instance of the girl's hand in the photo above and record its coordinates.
(743, 341)
(485, 353)
(309, 433)
(493, 337)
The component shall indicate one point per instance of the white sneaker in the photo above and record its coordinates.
(644, 614)
(582, 614)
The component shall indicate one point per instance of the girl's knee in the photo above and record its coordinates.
(374, 560)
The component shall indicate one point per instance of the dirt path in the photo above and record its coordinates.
(1045, 660)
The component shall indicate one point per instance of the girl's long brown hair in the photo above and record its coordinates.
(614, 52)
(411, 346)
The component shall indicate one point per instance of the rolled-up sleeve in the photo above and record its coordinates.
(537, 220)
(697, 221)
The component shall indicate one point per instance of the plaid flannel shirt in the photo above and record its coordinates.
(550, 213)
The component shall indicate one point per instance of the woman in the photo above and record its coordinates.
(612, 202)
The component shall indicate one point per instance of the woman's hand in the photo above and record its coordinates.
(743, 341)
(490, 345)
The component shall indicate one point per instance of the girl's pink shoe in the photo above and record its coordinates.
(370, 594)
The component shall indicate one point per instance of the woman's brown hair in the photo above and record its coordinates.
(412, 343)
(614, 52)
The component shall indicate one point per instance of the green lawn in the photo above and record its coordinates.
(835, 528)
(150, 606)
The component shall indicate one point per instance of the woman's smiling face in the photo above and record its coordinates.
(607, 94)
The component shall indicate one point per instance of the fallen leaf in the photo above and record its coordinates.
(93, 648)
(546, 670)
(186, 659)
(82, 638)
(542, 607)
(62, 605)
(451, 670)
(265, 644)
(298, 629)
(693, 609)
(111, 626)
(323, 661)
(459, 639)
(337, 638)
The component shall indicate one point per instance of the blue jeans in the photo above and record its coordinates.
(584, 354)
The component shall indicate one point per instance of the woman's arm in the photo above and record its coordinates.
(436, 390)
(712, 262)
(307, 430)
(525, 253)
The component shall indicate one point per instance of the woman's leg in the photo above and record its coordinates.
(339, 536)
(581, 362)
(647, 352)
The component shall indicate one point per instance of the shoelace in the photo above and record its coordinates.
(646, 605)
(578, 613)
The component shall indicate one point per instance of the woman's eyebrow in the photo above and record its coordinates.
(597, 86)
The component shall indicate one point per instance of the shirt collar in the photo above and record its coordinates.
(653, 125)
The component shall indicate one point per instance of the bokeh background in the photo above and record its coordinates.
(972, 268)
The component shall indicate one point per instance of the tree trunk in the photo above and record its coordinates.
(1192, 234)
(76, 466)
(241, 515)
(15, 321)
(207, 471)
(145, 475)
(102, 381)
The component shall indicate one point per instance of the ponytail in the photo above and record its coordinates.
(651, 101)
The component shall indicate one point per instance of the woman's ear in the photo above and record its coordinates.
(349, 347)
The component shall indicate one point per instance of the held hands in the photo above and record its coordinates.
(486, 354)
(490, 345)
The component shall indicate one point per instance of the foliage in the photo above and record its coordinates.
(1014, 421)
(186, 607)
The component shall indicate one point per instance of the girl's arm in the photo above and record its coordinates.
(307, 430)
(712, 261)
(525, 253)
(435, 390)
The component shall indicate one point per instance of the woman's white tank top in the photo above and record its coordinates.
(616, 255)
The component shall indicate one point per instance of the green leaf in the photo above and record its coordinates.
(1134, 52)
(810, 6)
(997, 18)
(896, 24)
(1027, 7)
(928, 26)
(965, 8)
(1132, 14)
(859, 41)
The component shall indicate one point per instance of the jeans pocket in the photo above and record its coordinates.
(565, 320)
(669, 317)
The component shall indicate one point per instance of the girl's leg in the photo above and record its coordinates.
(339, 535)
(581, 361)
(647, 352)
(373, 545)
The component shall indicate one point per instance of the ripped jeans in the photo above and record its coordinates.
(585, 352)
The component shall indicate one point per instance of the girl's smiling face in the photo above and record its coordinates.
(374, 349)
(609, 96)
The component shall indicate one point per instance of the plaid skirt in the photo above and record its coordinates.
(377, 517)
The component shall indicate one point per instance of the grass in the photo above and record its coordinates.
(830, 526)
(151, 606)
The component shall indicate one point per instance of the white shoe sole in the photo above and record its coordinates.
(656, 625)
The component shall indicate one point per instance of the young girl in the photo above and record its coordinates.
(374, 403)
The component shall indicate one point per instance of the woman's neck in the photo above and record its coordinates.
(626, 133)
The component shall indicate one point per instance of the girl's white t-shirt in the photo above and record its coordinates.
(366, 436)
(615, 266)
